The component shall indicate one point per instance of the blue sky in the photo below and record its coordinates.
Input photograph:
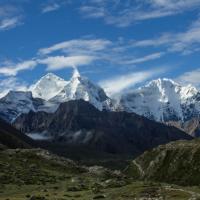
(116, 43)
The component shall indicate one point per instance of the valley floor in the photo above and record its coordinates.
(135, 190)
(36, 174)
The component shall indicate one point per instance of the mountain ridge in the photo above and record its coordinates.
(162, 100)
(80, 123)
(12, 138)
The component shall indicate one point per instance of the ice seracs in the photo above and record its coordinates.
(48, 86)
(163, 100)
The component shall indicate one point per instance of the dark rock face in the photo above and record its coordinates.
(80, 123)
(192, 126)
(12, 138)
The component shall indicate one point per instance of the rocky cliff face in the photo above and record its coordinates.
(79, 123)
(192, 126)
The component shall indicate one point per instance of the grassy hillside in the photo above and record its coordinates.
(38, 175)
(177, 162)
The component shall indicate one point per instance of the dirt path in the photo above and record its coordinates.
(139, 168)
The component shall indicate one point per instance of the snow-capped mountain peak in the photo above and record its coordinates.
(162, 84)
(81, 88)
(17, 95)
(188, 91)
(76, 74)
(17, 102)
(48, 86)
(163, 100)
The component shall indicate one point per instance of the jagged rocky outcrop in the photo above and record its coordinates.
(80, 123)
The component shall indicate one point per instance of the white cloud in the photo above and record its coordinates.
(126, 12)
(9, 84)
(14, 69)
(191, 77)
(80, 52)
(145, 58)
(93, 12)
(117, 84)
(60, 62)
(9, 23)
(184, 42)
(50, 7)
(174, 4)
(99, 49)
(53, 5)
(10, 17)
(164, 39)
(77, 46)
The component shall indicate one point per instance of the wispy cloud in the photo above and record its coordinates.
(9, 23)
(184, 42)
(81, 52)
(100, 49)
(60, 62)
(144, 59)
(191, 77)
(120, 83)
(77, 46)
(10, 17)
(12, 69)
(124, 13)
(50, 7)
(53, 5)
(11, 83)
